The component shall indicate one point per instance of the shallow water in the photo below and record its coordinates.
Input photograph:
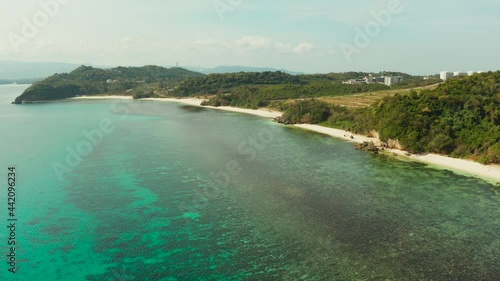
(181, 193)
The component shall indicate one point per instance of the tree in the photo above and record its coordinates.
(493, 155)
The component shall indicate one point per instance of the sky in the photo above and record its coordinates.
(312, 36)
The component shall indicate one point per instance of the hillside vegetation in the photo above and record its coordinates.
(87, 80)
(253, 90)
(460, 118)
(243, 89)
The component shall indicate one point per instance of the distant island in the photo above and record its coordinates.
(459, 118)
(20, 81)
(15, 70)
(19, 70)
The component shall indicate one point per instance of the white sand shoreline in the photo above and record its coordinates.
(490, 173)
(487, 172)
(101, 97)
(197, 102)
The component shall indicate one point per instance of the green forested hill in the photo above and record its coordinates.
(252, 90)
(460, 118)
(244, 89)
(224, 83)
(87, 80)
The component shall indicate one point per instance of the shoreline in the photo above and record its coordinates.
(197, 102)
(101, 98)
(489, 173)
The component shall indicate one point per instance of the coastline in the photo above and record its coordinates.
(490, 173)
(101, 97)
(197, 102)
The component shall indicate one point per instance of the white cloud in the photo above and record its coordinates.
(265, 43)
(254, 42)
(303, 48)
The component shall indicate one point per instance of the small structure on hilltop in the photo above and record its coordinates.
(387, 80)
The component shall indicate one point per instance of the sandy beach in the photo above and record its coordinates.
(460, 166)
(197, 102)
(101, 97)
(490, 173)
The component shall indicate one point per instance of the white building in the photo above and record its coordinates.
(445, 75)
(393, 80)
(387, 80)
(355, 81)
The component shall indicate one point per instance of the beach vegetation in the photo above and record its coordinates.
(460, 118)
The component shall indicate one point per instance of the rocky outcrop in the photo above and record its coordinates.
(280, 120)
(367, 146)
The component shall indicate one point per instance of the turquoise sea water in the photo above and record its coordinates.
(181, 193)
